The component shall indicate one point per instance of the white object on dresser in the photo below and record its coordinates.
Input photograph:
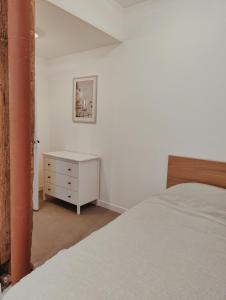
(72, 177)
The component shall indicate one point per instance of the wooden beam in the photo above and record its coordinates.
(32, 87)
(4, 138)
(21, 109)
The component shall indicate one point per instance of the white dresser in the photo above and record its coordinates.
(72, 177)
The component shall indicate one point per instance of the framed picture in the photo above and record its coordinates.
(85, 99)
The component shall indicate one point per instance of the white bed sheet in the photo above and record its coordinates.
(165, 248)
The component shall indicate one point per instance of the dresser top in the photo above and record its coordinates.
(75, 156)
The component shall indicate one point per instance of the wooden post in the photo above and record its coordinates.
(4, 139)
(21, 110)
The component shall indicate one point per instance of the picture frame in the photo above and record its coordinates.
(85, 99)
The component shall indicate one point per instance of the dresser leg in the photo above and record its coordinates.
(78, 210)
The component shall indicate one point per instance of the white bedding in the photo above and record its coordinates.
(171, 246)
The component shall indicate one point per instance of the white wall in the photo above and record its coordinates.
(162, 91)
(42, 109)
(105, 15)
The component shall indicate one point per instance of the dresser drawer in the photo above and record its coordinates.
(61, 166)
(61, 180)
(61, 193)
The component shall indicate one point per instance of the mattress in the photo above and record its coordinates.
(171, 246)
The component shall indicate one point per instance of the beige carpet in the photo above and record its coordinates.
(56, 226)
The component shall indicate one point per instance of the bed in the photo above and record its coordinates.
(170, 246)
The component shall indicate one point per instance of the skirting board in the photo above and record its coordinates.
(112, 207)
(104, 204)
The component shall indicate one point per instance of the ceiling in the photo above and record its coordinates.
(52, 23)
(127, 3)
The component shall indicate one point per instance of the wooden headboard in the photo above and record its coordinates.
(183, 169)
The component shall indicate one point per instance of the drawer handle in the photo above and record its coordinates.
(69, 196)
(49, 176)
(69, 182)
(49, 164)
(49, 189)
(69, 169)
